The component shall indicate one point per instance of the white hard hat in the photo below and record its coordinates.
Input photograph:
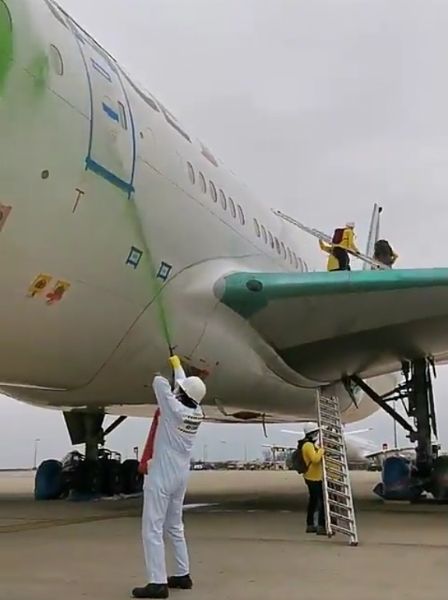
(310, 428)
(350, 225)
(194, 387)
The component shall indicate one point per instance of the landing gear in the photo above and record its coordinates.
(97, 472)
(429, 472)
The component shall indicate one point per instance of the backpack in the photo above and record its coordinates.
(297, 461)
(338, 235)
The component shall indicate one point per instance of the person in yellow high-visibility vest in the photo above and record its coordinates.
(333, 261)
(343, 240)
(312, 456)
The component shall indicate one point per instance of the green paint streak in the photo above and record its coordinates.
(156, 284)
(39, 69)
(6, 45)
(161, 308)
(279, 286)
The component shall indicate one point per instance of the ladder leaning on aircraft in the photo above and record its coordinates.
(338, 498)
(326, 238)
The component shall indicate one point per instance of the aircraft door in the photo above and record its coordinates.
(111, 150)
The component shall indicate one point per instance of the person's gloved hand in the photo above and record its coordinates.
(174, 361)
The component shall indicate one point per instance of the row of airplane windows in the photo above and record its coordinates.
(236, 210)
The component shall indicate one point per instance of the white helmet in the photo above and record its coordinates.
(310, 428)
(350, 225)
(194, 387)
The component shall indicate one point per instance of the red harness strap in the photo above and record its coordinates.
(149, 446)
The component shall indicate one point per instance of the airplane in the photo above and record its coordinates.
(378, 456)
(355, 453)
(357, 448)
(124, 238)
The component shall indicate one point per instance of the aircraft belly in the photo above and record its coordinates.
(61, 344)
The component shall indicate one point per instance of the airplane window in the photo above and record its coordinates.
(241, 215)
(213, 192)
(123, 119)
(202, 183)
(290, 255)
(296, 262)
(257, 228)
(283, 250)
(56, 61)
(264, 234)
(271, 240)
(277, 246)
(232, 207)
(191, 176)
(305, 266)
(223, 199)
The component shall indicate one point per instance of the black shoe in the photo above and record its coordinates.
(152, 590)
(311, 529)
(182, 582)
(321, 531)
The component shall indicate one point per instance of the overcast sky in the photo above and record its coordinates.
(322, 107)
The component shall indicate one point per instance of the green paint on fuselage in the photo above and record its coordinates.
(39, 69)
(6, 45)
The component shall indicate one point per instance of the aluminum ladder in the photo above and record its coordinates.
(338, 499)
(327, 239)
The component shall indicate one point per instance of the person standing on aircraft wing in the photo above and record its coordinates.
(333, 263)
(313, 475)
(343, 240)
(383, 253)
(179, 418)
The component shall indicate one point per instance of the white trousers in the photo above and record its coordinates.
(162, 518)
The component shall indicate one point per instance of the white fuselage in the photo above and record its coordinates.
(99, 177)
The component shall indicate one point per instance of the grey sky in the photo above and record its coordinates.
(321, 107)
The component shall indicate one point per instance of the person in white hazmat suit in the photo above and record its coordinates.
(166, 481)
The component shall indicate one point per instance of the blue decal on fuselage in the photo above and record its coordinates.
(111, 113)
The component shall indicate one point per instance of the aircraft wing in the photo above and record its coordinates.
(391, 452)
(281, 447)
(325, 325)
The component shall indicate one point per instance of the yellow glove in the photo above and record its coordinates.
(175, 362)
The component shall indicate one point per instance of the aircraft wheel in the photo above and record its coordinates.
(439, 478)
(113, 478)
(88, 478)
(132, 479)
(48, 483)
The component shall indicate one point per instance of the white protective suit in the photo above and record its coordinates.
(166, 482)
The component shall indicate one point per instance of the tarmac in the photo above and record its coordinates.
(246, 536)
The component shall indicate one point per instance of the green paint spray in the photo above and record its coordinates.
(159, 299)
(39, 68)
(156, 283)
(6, 45)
